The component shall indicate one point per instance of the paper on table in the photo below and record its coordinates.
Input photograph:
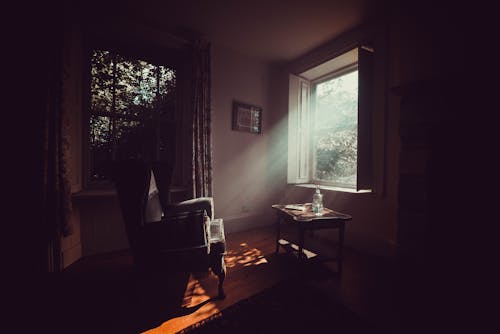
(295, 207)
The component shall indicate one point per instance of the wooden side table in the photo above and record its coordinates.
(304, 220)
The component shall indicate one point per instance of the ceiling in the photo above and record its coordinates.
(270, 31)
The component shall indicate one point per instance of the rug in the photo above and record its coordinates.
(288, 307)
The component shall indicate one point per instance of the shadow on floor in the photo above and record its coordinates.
(118, 301)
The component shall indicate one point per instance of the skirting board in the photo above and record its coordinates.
(247, 222)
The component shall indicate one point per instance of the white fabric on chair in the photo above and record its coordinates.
(217, 231)
(154, 210)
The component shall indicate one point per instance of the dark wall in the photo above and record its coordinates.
(435, 156)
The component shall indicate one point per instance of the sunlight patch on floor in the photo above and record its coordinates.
(197, 300)
(194, 296)
(244, 256)
(194, 293)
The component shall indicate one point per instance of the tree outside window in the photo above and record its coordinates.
(335, 134)
(132, 105)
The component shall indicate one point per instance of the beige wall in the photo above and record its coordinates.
(241, 160)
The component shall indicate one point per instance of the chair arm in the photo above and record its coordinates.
(201, 203)
(176, 231)
(217, 237)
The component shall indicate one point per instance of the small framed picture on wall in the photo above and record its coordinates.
(247, 117)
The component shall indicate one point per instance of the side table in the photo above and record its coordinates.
(304, 219)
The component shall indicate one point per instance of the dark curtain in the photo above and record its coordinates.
(202, 123)
(56, 188)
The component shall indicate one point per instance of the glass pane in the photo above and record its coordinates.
(129, 138)
(148, 86)
(336, 129)
(166, 99)
(136, 95)
(128, 78)
(136, 87)
(167, 141)
(101, 83)
(100, 146)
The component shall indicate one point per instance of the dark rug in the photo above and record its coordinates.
(289, 307)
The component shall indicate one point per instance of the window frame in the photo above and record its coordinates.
(171, 60)
(312, 156)
(314, 76)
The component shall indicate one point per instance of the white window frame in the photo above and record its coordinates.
(301, 156)
(312, 157)
(88, 181)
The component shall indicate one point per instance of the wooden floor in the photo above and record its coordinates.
(101, 296)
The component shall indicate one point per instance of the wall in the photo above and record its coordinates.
(428, 75)
(242, 160)
(71, 246)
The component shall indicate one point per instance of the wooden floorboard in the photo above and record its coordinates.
(249, 271)
(106, 284)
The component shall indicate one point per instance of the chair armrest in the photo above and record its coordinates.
(217, 231)
(217, 237)
(181, 230)
(201, 203)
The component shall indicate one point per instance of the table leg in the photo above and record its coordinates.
(301, 244)
(277, 233)
(341, 246)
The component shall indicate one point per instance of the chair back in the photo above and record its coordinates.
(177, 240)
(132, 179)
(163, 171)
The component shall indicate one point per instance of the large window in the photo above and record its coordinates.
(329, 123)
(132, 111)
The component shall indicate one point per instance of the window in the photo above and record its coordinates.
(132, 111)
(330, 122)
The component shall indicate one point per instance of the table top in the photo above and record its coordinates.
(306, 213)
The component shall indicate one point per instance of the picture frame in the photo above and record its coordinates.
(247, 117)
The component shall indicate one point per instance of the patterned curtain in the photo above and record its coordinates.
(202, 123)
(56, 200)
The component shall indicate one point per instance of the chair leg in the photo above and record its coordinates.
(221, 276)
(219, 268)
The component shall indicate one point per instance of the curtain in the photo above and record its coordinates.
(56, 201)
(201, 127)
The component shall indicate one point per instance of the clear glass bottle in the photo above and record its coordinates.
(317, 202)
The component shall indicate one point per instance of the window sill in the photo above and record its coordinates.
(110, 192)
(332, 188)
(93, 193)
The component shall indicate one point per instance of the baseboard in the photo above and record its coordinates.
(246, 222)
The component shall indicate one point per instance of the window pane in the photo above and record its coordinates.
(101, 81)
(166, 142)
(166, 101)
(131, 139)
(129, 98)
(100, 146)
(136, 87)
(335, 130)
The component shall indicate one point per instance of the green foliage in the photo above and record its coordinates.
(130, 99)
(335, 132)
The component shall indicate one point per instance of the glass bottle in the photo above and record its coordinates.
(317, 202)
